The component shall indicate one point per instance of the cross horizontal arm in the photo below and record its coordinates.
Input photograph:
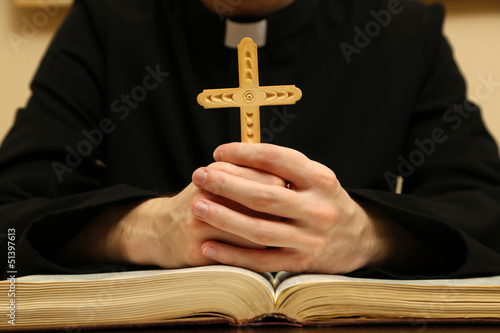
(218, 98)
(256, 96)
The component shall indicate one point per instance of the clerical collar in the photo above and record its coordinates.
(280, 24)
(236, 31)
(210, 26)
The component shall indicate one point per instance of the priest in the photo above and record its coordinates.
(113, 165)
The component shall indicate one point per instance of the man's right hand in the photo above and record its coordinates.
(161, 232)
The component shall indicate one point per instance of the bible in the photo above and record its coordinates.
(223, 294)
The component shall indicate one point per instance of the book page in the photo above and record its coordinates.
(265, 279)
(296, 280)
(231, 293)
(325, 297)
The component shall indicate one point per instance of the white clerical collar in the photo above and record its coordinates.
(235, 32)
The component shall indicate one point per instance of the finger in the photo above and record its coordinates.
(233, 205)
(200, 231)
(256, 230)
(284, 162)
(229, 238)
(269, 260)
(269, 199)
(249, 173)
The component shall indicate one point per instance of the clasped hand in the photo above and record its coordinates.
(312, 226)
(240, 211)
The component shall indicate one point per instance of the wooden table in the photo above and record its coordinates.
(358, 329)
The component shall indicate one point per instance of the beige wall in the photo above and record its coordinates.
(21, 49)
(473, 28)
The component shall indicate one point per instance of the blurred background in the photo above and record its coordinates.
(27, 26)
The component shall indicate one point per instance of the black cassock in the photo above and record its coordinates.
(114, 118)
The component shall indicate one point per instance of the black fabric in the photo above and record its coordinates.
(113, 118)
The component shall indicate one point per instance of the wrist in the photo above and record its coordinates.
(397, 249)
(133, 238)
(381, 236)
(112, 237)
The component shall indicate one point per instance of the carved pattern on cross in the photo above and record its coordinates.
(249, 96)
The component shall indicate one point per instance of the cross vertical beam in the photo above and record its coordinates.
(249, 78)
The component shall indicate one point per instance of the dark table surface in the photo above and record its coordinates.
(352, 329)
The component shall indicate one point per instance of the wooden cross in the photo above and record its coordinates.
(249, 96)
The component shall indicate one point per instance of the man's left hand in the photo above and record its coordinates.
(312, 225)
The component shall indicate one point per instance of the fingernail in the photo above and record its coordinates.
(209, 252)
(199, 177)
(200, 209)
(218, 154)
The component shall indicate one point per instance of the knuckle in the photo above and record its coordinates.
(216, 182)
(324, 216)
(191, 226)
(193, 254)
(263, 198)
(262, 264)
(194, 228)
(306, 264)
(318, 245)
(231, 260)
(325, 179)
(224, 166)
(302, 264)
(264, 236)
(276, 181)
(268, 157)
(221, 217)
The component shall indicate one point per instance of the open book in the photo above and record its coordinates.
(216, 294)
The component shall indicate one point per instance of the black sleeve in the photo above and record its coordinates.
(451, 170)
(42, 208)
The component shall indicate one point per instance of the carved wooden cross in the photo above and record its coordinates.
(249, 96)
